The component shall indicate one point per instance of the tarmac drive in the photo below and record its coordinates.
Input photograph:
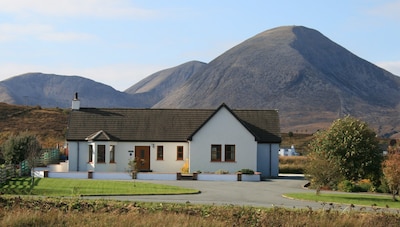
(258, 194)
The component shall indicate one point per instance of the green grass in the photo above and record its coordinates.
(77, 187)
(348, 198)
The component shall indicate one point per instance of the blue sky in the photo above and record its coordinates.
(120, 42)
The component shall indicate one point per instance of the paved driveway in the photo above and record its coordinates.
(260, 194)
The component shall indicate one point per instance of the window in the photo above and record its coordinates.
(101, 153)
(160, 153)
(112, 153)
(90, 153)
(215, 153)
(179, 153)
(229, 153)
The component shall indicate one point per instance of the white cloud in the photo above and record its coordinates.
(391, 66)
(13, 32)
(92, 8)
(390, 9)
(16, 31)
(65, 36)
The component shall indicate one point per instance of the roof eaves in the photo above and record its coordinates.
(95, 135)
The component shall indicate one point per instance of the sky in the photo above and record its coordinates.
(120, 42)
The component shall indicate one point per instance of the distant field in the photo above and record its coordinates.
(292, 164)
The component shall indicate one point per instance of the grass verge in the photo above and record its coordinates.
(79, 187)
(353, 198)
(39, 211)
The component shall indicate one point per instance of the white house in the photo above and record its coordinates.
(288, 151)
(162, 140)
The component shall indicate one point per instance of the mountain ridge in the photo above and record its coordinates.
(309, 78)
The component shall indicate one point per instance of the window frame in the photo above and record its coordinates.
(112, 153)
(160, 153)
(231, 152)
(216, 154)
(179, 153)
(101, 153)
(90, 153)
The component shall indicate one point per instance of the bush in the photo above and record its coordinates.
(383, 188)
(221, 171)
(346, 186)
(246, 171)
(364, 185)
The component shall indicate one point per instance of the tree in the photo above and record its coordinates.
(391, 170)
(33, 152)
(320, 171)
(21, 147)
(353, 147)
(12, 151)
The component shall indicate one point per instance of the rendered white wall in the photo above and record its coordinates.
(73, 156)
(123, 156)
(223, 128)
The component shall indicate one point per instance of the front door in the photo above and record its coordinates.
(142, 157)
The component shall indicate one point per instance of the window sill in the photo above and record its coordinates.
(223, 161)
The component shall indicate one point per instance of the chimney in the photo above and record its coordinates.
(76, 104)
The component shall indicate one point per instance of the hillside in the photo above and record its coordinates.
(49, 90)
(48, 124)
(310, 79)
(160, 84)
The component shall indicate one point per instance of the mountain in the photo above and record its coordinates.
(49, 90)
(160, 84)
(310, 79)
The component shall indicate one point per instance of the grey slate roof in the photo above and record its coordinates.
(162, 125)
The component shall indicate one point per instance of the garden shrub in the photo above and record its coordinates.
(246, 171)
(364, 185)
(221, 171)
(346, 186)
(383, 187)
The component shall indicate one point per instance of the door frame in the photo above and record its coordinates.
(142, 157)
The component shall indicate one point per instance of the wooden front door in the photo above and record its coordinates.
(142, 157)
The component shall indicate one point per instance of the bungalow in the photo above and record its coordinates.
(164, 140)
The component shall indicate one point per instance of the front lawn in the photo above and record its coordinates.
(348, 198)
(77, 187)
